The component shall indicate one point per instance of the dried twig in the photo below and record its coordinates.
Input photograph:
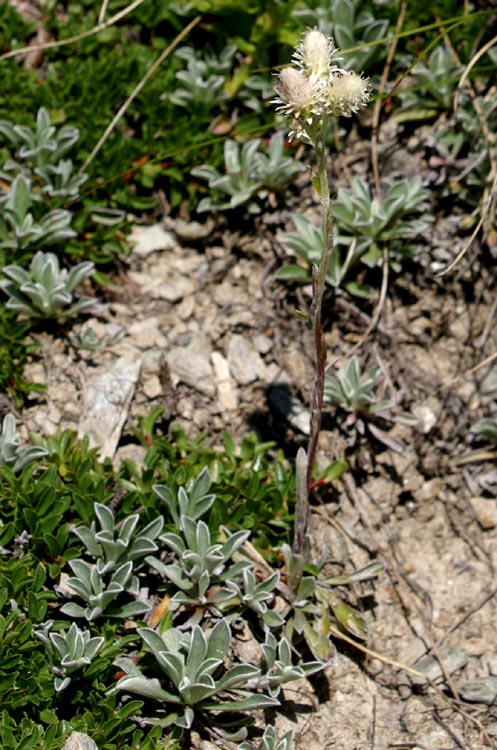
(70, 40)
(137, 90)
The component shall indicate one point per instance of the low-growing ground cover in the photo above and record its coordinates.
(149, 589)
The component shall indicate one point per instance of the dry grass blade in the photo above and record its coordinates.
(137, 90)
(415, 673)
(487, 207)
(70, 40)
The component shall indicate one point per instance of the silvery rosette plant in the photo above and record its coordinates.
(312, 92)
(44, 145)
(69, 651)
(37, 155)
(117, 551)
(355, 391)
(362, 226)
(45, 290)
(111, 544)
(101, 592)
(203, 80)
(249, 173)
(271, 741)
(193, 681)
(202, 572)
(19, 228)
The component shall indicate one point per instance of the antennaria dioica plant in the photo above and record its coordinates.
(311, 92)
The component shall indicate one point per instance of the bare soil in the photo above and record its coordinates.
(197, 324)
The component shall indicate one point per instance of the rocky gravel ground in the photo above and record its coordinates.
(196, 323)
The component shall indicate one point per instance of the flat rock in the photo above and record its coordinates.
(171, 285)
(485, 511)
(79, 741)
(245, 362)
(191, 364)
(107, 398)
(226, 388)
(149, 239)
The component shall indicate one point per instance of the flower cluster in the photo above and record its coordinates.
(315, 88)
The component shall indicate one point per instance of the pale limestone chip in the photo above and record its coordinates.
(190, 365)
(107, 398)
(226, 389)
(149, 239)
(245, 362)
(79, 741)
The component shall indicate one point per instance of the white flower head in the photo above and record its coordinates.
(347, 93)
(297, 94)
(315, 88)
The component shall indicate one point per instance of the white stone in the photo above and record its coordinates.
(107, 398)
(191, 365)
(226, 389)
(245, 362)
(148, 239)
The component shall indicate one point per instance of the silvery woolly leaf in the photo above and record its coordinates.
(73, 610)
(196, 653)
(203, 538)
(174, 542)
(170, 640)
(130, 610)
(272, 619)
(19, 198)
(189, 530)
(61, 683)
(270, 740)
(250, 703)
(27, 456)
(81, 583)
(87, 536)
(147, 688)
(93, 646)
(153, 529)
(174, 573)
(123, 574)
(17, 274)
(237, 677)
(105, 517)
(195, 692)
(78, 274)
(140, 547)
(173, 666)
(234, 542)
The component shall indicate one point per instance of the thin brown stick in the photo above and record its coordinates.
(467, 615)
(70, 40)
(487, 204)
(473, 62)
(486, 211)
(376, 176)
(378, 310)
(379, 98)
(398, 665)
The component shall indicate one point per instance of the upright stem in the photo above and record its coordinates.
(318, 284)
(305, 464)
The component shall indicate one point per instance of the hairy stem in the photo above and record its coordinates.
(319, 281)
(318, 285)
